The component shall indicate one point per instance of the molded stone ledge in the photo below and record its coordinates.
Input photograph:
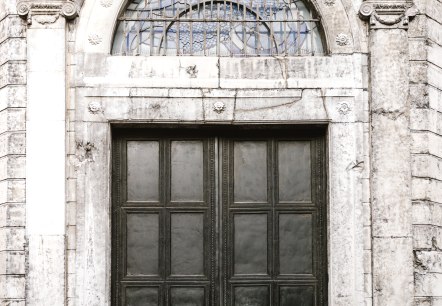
(426, 166)
(12, 96)
(426, 120)
(12, 49)
(143, 92)
(12, 26)
(12, 143)
(266, 93)
(7, 7)
(172, 92)
(12, 166)
(427, 212)
(427, 237)
(434, 75)
(435, 97)
(12, 73)
(268, 107)
(426, 142)
(434, 31)
(433, 9)
(426, 189)
(12, 119)
(434, 53)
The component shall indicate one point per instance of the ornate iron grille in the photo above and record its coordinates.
(217, 28)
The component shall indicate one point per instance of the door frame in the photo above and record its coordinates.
(310, 132)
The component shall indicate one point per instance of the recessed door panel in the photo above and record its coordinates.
(250, 171)
(296, 295)
(294, 169)
(237, 220)
(250, 243)
(251, 295)
(187, 243)
(142, 244)
(187, 296)
(295, 243)
(187, 169)
(142, 170)
(142, 296)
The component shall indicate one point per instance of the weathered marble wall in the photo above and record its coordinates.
(109, 90)
(330, 90)
(333, 90)
(426, 151)
(12, 155)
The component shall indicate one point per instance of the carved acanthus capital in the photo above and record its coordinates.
(388, 14)
(47, 11)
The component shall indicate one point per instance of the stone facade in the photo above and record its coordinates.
(425, 101)
(12, 155)
(378, 91)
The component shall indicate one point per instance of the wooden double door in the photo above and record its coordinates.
(210, 217)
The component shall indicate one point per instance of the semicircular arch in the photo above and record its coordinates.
(99, 19)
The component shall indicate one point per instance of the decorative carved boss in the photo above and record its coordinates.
(388, 14)
(46, 12)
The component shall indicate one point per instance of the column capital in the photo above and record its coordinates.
(45, 12)
(387, 14)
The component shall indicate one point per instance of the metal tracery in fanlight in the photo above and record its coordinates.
(217, 28)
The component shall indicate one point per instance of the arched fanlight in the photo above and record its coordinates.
(217, 28)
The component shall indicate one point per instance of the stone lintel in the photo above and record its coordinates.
(388, 14)
(46, 12)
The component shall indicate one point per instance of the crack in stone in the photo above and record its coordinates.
(393, 115)
(357, 165)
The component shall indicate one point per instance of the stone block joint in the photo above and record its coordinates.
(46, 12)
(383, 15)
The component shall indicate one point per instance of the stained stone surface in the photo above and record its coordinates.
(379, 93)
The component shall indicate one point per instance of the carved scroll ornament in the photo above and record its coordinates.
(46, 12)
(388, 14)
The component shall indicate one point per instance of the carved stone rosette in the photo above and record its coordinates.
(388, 14)
(46, 12)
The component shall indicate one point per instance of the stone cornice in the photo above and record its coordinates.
(47, 11)
(387, 14)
